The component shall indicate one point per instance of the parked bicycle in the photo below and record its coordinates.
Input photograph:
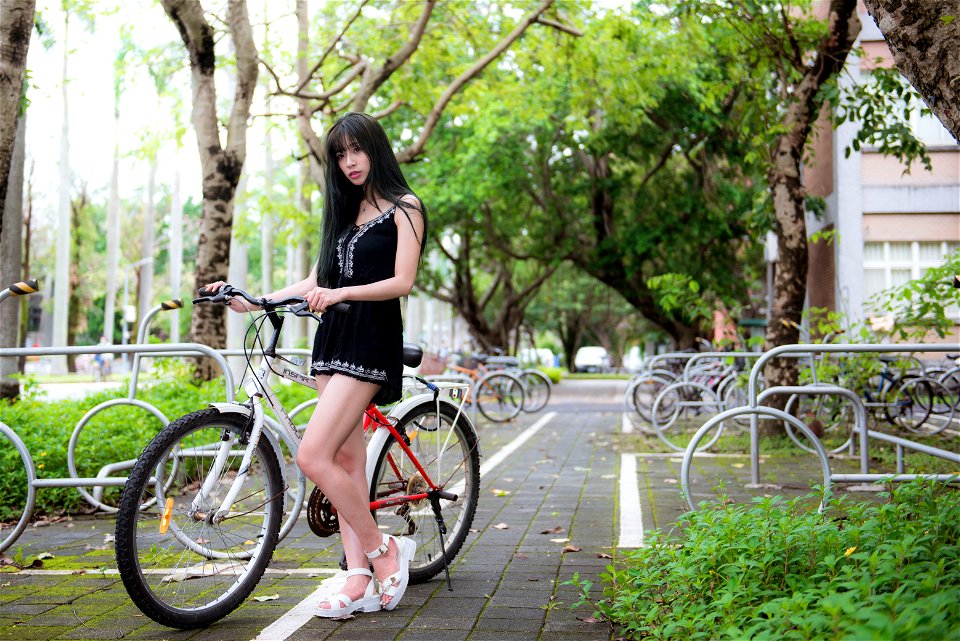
(201, 511)
(499, 395)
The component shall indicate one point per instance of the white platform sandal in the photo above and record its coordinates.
(369, 602)
(396, 584)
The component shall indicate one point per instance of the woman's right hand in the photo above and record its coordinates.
(238, 305)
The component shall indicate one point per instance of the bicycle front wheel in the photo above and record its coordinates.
(446, 447)
(182, 565)
(499, 396)
(536, 389)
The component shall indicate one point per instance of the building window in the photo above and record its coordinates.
(889, 264)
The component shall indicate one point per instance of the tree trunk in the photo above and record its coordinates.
(176, 254)
(25, 272)
(221, 165)
(61, 286)
(924, 42)
(10, 266)
(786, 189)
(76, 319)
(147, 267)
(113, 232)
(16, 24)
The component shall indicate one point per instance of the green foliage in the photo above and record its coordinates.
(776, 570)
(920, 306)
(117, 433)
(882, 106)
(680, 294)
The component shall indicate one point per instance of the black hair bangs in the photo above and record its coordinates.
(345, 135)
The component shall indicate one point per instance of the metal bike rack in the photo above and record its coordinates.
(102, 480)
(755, 411)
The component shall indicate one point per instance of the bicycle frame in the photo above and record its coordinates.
(258, 387)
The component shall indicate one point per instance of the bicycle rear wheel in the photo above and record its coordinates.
(499, 396)
(180, 567)
(536, 389)
(446, 447)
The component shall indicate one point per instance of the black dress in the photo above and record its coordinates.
(367, 342)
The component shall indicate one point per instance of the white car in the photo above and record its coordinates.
(591, 359)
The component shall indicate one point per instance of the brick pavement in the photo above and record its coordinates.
(507, 581)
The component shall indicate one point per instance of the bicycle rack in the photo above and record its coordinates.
(755, 411)
(171, 349)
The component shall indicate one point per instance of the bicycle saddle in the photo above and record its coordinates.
(412, 355)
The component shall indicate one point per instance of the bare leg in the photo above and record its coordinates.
(334, 421)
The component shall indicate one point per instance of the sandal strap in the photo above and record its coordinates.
(359, 572)
(338, 601)
(380, 551)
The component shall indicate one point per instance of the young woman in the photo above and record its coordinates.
(371, 240)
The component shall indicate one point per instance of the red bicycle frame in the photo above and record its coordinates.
(375, 418)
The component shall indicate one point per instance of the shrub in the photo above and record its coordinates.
(772, 570)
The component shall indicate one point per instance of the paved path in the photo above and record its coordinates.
(576, 482)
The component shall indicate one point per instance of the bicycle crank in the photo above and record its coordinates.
(321, 516)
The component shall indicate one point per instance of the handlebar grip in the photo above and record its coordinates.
(343, 308)
(24, 288)
(174, 303)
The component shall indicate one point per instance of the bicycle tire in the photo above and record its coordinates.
(645, 391)
(911, 402)
(196, 591)
(499, 396)
(536, 389)
(456, 468)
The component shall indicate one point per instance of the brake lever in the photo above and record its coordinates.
(301, 309)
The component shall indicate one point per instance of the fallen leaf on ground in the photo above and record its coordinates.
(571, 548)
(203, 541)
(500, 492)
(559, 540)
(673, 481)
(473, 529)
(79, 572)
(589, 619)
(603, 555)
(736, 465)
(272, 597)
(44, 555)
(556, 530)
(533, 578)
(109, 538)
(502, 526)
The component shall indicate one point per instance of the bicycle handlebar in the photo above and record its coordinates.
(296, 304)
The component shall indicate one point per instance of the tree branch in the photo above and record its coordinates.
(375, 77)
(305, 77)
(247, 71)
(414, 150)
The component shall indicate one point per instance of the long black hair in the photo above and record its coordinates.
(342, 199)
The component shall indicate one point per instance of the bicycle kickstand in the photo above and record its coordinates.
(441, 531)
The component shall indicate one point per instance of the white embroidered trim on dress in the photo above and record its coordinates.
(346, 267)
(349, 368)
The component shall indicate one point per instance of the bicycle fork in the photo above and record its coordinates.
(226, 446)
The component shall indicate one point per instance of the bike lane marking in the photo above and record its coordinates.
(631, 515)
(302, 613)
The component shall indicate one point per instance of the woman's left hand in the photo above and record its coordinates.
(320, 298)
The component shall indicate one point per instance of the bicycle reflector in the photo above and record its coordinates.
(165, 517)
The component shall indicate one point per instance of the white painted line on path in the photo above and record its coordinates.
(513, 445)
(631, 517)
(301, 613)
(627, 424)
